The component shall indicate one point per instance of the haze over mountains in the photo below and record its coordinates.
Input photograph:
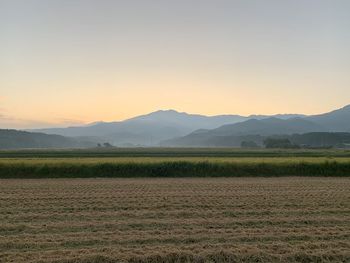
(172, 128)
(335, 121)
(147, 129)
(151, 129)
(13, 139)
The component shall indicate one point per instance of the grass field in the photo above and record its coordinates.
(172, 162)
(89, 167)
(173, 152)
(294, 219)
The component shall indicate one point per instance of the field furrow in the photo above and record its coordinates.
(175, 220)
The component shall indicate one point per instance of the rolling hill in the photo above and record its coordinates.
(227, 134)
(13, 139)
(337, 121)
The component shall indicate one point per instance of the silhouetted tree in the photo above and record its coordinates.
(107, 145)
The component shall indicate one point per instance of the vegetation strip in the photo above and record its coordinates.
(172, 169)
(172, 152)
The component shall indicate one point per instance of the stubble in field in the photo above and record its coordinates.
(175, 220)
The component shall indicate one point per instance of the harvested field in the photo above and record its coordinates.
(295, 219)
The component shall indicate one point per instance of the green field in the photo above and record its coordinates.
(173, 163)
(173, 152)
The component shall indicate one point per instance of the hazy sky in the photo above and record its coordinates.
(71, 61)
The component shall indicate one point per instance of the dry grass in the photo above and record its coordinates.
(175, 220)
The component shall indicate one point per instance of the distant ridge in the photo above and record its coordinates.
(146, 130)
(264, 127)
(159, 126)
(234, 134)
(337, 120)
(13, 139)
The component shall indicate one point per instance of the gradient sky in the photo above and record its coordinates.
(76, 61)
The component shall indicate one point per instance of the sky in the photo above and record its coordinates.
(69, 62)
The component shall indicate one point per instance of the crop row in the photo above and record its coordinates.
(294, 219)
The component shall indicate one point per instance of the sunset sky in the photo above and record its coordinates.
(69, 62)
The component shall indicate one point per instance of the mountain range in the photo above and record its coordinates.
(234, 134)
(172, 128)
(179, 129)
(151, 129)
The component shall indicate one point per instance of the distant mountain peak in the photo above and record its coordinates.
(165, 115)
(94, 123)
(165, 111)
(169, 111)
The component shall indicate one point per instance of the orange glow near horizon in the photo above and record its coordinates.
(114, 100)
(65, 64)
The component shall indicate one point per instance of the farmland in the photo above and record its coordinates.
(175, 220)
(172, 152)
(143, 162)
(175, 205)
(172, 167)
